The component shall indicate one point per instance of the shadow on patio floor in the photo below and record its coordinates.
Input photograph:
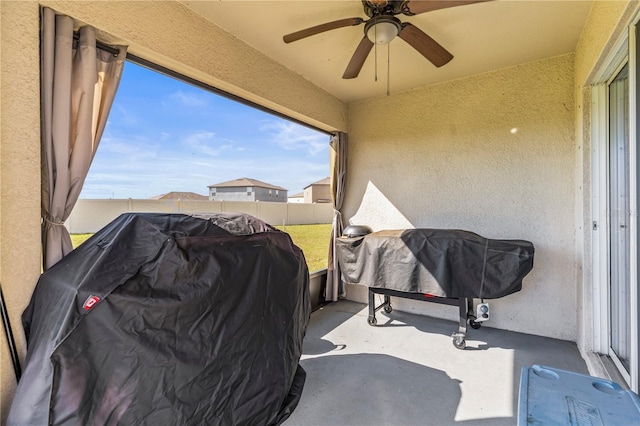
(405, 371)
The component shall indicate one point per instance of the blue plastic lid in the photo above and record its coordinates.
(553, 396)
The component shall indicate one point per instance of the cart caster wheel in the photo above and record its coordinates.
(388, 309)
(372, 321)
(475, 324)
(459, 343)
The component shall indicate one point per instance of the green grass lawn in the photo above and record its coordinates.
(312, 239)
(77, 239)
(314, 242)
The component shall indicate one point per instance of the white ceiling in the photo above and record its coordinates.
(482, 37)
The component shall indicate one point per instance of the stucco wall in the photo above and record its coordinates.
(606, 21)
(19, 171)
(493, 154)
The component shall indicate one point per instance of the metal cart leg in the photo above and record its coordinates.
(459, 337)
(371, 320)
(387, 304)
(472, 316)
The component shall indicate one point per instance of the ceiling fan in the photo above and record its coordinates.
(383, 26)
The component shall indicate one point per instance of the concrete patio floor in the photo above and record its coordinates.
(406, 371)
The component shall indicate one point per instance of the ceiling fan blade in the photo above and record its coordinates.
(414, 7)
(358, 58)
(428, 47)
(322, 28)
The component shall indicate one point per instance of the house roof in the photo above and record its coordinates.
(246, 182)
(325, 181)
(298, 195)
(174, 195)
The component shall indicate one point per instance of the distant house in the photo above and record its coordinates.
(318, 192)
(180, 196)
(296, 198)
(246, 189)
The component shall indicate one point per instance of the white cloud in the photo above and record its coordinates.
(292, 136)
(203, 142)
(144, 165)
(190, 100)
(124, 116)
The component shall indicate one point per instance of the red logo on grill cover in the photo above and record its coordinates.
(90, 302)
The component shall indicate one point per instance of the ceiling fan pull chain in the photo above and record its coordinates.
(388, 68)
(375, 53)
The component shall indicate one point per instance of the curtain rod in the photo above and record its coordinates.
(99, 45)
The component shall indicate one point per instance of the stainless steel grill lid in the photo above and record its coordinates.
(356, 231)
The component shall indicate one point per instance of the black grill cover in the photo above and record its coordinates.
(168, 320)
(443, 263)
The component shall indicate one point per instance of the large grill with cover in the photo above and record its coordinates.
(435, 265)
(168, 319)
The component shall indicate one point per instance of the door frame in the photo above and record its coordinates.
(623, 52)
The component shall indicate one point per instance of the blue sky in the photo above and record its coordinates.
(164, 135)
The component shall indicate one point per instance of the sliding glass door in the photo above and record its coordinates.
(619, 221)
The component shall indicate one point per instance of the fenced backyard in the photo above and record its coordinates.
(90, 215)
(308, 224)
(312, 239)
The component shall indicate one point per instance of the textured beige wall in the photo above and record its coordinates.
(493, 154)
(164, 32)
(19, 170)
(606, 21)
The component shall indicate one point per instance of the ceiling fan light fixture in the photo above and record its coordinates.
(383, 30)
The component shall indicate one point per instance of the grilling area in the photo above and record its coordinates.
(525, 132)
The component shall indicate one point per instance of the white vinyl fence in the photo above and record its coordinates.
(89, 216)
